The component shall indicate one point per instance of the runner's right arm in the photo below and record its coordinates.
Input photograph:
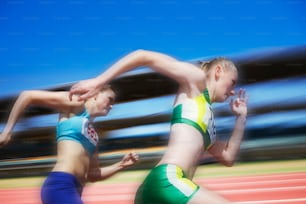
(55, 100)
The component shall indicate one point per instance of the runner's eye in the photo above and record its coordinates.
(111, 100)
(233, 82)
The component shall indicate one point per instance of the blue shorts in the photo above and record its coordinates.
(61, 188)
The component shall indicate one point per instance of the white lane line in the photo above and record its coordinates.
(301, 175)
(110, 197)
(272, 201)
(254, 182)
(263, 189)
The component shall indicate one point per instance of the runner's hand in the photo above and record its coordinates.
(129, 159)
(239, 104)
(5, 138)
(85, 89)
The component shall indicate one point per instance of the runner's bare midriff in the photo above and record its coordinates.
(184, 143)
(72, 158)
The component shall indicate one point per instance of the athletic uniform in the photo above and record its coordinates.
(197, 112)
(79, 129)
(62, 187)
(167, 183)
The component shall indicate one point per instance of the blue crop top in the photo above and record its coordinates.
(78, 128)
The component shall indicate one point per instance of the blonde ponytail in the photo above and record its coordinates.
(227, 64)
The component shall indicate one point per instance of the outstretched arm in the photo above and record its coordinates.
(182, 72)
(55, 100)
(226, 152)
(96, 173)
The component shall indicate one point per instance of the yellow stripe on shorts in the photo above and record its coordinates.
(175, 177)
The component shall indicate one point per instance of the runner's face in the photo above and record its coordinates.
(226, 85)
(104, 102)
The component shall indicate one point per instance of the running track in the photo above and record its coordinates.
(287, 188)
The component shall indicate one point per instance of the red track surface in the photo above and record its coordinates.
(264, 189)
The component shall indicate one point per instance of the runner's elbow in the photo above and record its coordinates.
(144, 56)
(93, 179)
(228, 161)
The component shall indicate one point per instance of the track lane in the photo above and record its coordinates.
(261, 189)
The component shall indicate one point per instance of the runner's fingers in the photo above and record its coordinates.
(135, 156)
(242, 95)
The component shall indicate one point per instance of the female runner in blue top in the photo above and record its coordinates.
(77, 155)
(192, 126)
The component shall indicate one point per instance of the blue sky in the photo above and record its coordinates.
(45, 43)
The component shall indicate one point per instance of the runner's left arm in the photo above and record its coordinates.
(51, 99)
(97, 173)
(226, 152)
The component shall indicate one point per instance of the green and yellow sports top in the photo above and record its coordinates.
(198, 113)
